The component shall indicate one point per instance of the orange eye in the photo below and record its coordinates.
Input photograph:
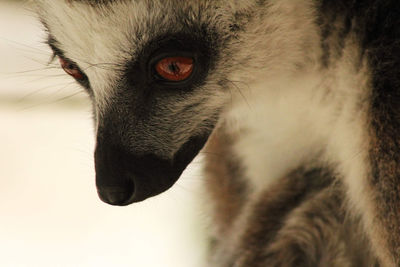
(71, 69)
(175, 69)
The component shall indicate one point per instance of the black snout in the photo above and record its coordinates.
(116, 195)
(123, 177)
(112, 162)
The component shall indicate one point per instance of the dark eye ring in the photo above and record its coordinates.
(71, 69)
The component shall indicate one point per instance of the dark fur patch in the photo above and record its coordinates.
(301, 221)
(224, 180)
(382, 43)
(271, 210)
(376, 24)
(95, 2)
(336, 20)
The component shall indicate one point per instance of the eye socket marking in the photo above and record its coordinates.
(175, 69)
(71, 69)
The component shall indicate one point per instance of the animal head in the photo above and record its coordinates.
(152, 70)
(160, 74)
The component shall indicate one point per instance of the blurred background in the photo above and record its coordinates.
(50, 214)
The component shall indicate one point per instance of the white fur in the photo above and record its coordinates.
(100, 43)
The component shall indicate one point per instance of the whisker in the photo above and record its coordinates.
(42, 89)
(33, 70)
(237, 87)
(53, 101)
(19, 45)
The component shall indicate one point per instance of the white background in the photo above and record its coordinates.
(50, 214)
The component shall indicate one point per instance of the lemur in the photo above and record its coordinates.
(296, 104)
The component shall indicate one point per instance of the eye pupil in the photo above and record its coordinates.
(175, 68)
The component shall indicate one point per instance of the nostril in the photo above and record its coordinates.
(116, 195)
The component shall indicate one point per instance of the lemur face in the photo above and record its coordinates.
(161, 73)
(145, 65)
